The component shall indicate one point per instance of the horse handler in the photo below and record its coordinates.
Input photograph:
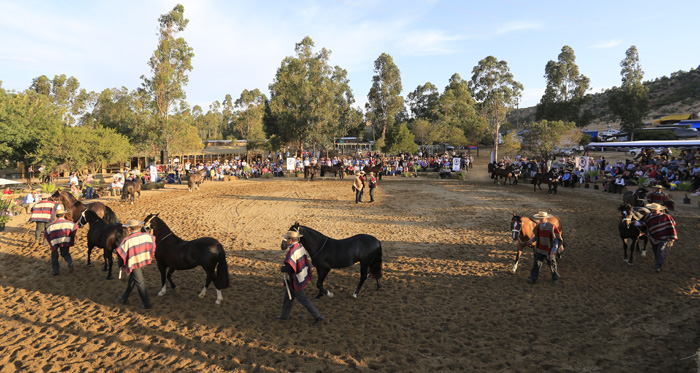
(136, 250)
(662, 232)
(297, 274)
(358, 185)
(43, 213)
(372, 186)
(61, 237)
(548, 238)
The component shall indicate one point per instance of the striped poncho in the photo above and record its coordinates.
(298, 258)
(137, 250)
(43, 211)
(61, 233)
(661, 227)
(546, 234)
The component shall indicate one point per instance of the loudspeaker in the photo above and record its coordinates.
(164, 157)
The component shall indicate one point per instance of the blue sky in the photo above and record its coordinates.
(240, 44)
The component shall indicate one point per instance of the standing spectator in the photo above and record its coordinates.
(136, 250)
(61, 237)
(297, 270)
(89, 180)
(358, 186)
(662, 232)
(548, 238)
(372, 186)
(43, 213)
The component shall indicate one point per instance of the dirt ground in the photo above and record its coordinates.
(448, 301)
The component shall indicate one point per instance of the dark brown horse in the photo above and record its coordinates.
(173, 253)
(75, 208)
(129, 191)
(636, 198)
(523, 229)
(503, 173)
(309, 173)
(103, 235)
(194, 179)
(337, 171)
(628, 229)
(550, 178)
(377, 169)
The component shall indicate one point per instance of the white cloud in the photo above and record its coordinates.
(607, 44)
(428, 42)
(531, 97)
(518, 26)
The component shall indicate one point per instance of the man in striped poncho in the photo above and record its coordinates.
(662, 232)
(548, 238)
(136, 251)
(61, 237)
(297, 270)
(43, 213)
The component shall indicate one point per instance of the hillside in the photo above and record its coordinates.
(677, 94)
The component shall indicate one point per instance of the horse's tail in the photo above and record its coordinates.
(222, 280)
(375, 267)
(110, 217)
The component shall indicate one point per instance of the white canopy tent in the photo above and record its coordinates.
(8, 182)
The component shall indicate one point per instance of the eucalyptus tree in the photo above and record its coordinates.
(384, 99)
(566, 89)
(496, 93)
(170, 63)
(631, 101)
(457, 110)
(65, 93)
(424, 102)
(250, 108)
(307, 97)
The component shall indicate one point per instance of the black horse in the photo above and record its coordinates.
(130, 189)
(103, 235)
(636, 198)
(629, 230)
(173, 253)
(327, 253)
(505, 173)
(310, 173)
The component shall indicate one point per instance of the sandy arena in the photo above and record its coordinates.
(448, 301)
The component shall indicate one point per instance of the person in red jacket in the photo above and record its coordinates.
(43, 213)
(61, 237)
(136, 250)
(548, 238)
(662, 232)
(297, 270)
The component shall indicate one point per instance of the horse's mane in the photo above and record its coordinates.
(156, 218)
(67, 195)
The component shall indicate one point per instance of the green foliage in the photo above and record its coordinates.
(511, 144)
(424, 102)
(384, 99)
(170, 63)
(458, 111)
(544, 136)
(496, 93)
(657, 135)
(630, 103)
(48, 187)
(585, 139)
(684, 186)
(403, 140)
(310, 101)
(566, 89)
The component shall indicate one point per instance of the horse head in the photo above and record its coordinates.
(516, 226)
(56, 196)
(641, 192)
(149, 219)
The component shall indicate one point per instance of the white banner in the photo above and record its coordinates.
(456, 164)
(154, 173)
(582, 163)
(291, 162)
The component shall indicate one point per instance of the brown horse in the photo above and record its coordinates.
(337, 170)
(636, 198)
(523, 229)
(75, 208)
(194, 179)
(505, 173)
(550, 178)
(129, 191)
(309, 173)
(50, 177)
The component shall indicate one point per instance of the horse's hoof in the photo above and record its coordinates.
(330, 294)
(644, 253)
(354, 296)
(218, 301)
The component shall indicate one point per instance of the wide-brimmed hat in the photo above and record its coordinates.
(654, 207)
(542, 215)
(658, 187)
(362, 172)
(60, 210)
(292, 234)
(132, 223)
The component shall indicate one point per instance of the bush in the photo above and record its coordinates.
(656, 135)
(267, 176)
(462, 175)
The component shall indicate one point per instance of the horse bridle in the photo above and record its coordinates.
(147, 226)
(80, 221)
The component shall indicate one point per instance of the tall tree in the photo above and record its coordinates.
(384, 99)
(403, 140)
(65, 93)
(249, 118)
(424, 102)
(457, 110)
(304, 97)
(169, 64)
(543, 136)
(496, 93)
(631, 102)
(566, 89)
